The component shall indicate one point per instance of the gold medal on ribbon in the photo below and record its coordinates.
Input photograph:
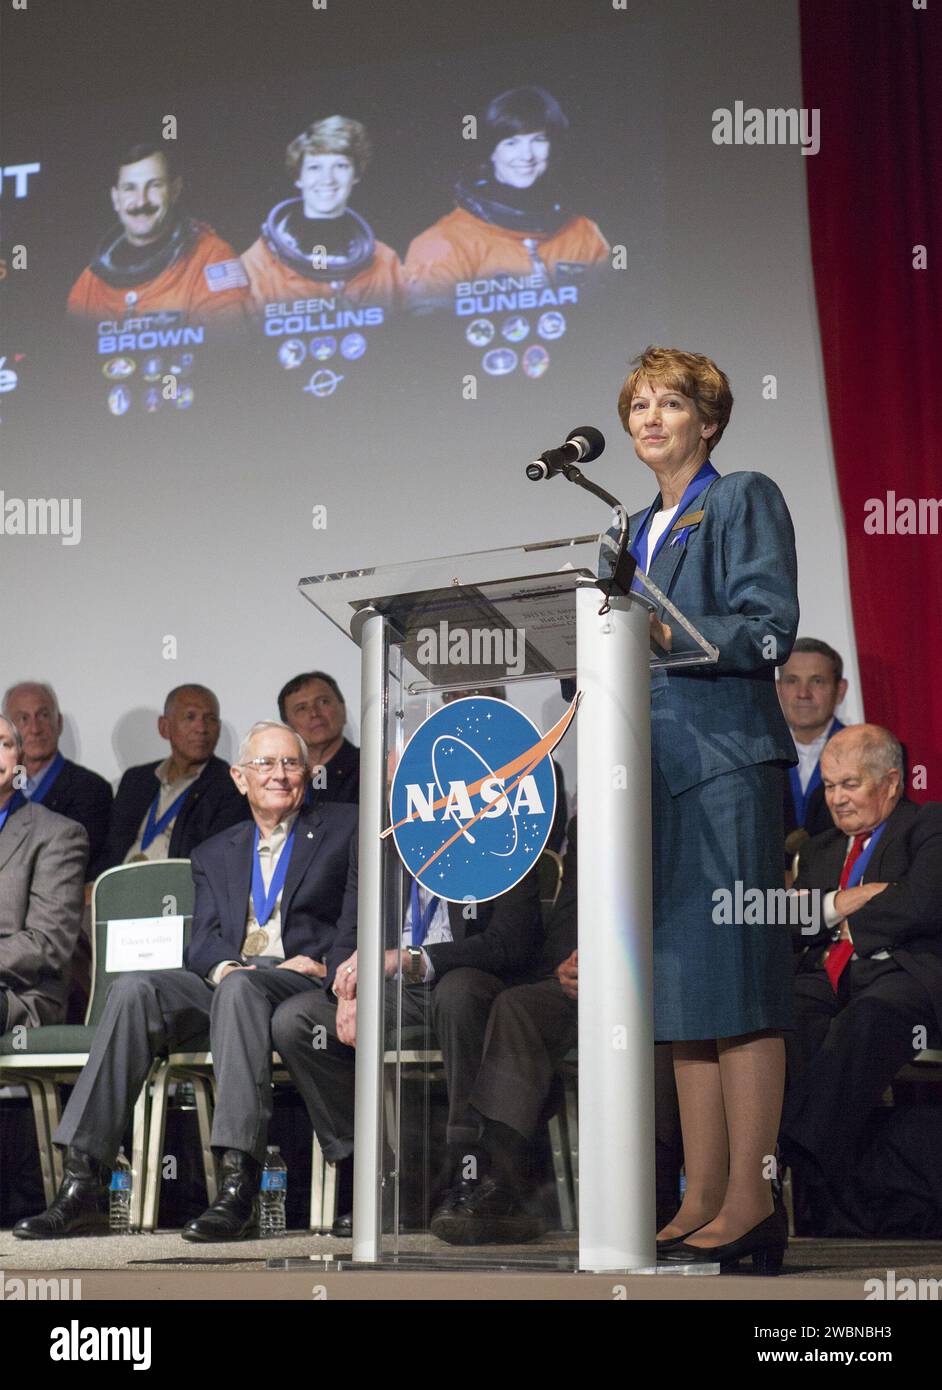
(255, 943)
(137, 859)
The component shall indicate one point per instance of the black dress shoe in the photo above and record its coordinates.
(234, 1214)
(484, 1213)
(80, 1206)
(662, 1245)
(410, 1220)
(766, 1243)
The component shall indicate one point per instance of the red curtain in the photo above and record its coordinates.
(874, 70)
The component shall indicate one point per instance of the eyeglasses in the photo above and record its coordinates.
(292, 766)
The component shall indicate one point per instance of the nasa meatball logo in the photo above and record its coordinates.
(473, 798)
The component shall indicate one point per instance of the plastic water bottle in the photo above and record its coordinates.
(119, 1197)
(274, 1193)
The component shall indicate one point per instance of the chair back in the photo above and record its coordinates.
(150, 888)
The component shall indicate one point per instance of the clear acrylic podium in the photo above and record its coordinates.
(547, 592)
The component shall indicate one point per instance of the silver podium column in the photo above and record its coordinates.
(368, 1150)
(616, 1056)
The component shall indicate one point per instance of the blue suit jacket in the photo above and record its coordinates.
(318, 903)
(735, 578)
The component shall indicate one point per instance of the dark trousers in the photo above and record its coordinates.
(846, 1049)
(530, 1030)
(452, 1015)
(149, 1013)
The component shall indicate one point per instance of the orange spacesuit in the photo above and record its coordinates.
(461, 247)
(272, 281)
(204, 281)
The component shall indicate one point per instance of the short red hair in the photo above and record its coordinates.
(692, 375)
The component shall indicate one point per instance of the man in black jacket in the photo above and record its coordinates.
(163, 810)
(530, 1030)
(470, 953)
(54, 781)
(868, 984)
(312, 705)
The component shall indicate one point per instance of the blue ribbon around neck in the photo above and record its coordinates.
(696, 485)
(263, 903)
(49, 776)
(155, 827)
(421, 918)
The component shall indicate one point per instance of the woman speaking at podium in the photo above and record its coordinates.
(722, 548)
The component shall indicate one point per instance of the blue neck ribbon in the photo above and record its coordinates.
(156, 827)
(49, 776)
(15, 802)
(421, 918)
(696, 485)
(860, 865)
(801, 798)
(264, 903)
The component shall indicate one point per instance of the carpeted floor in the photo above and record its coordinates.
(135, 1266)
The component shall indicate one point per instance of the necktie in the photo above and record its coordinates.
(841, 952)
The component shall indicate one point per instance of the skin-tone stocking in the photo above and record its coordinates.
(730, 1094)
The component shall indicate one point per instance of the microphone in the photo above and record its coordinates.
(582, 445)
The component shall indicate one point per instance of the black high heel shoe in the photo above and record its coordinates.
(662, 1245)
(766, 1243)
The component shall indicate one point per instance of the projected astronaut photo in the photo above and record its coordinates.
(157, 258)
(512, 217)
(315, 246)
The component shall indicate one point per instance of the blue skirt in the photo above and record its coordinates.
(716, 978)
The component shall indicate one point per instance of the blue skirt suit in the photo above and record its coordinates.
(720, 746)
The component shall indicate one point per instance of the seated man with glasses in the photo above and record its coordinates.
(275, 913)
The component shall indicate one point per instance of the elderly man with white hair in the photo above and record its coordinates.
(42, 872)
(868, 985)
(275, 913)
(52, 779)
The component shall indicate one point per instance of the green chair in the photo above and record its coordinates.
(43, 1058)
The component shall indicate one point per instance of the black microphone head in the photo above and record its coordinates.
(594, 438)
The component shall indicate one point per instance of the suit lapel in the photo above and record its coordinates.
(664, 569)
(15, 832)
(899, 822)
(239, 873)
(309, 831)
(457, 921)
(834, 860)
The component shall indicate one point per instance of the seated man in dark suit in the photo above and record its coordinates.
(55, 781)
(275, 911)
(163, 810)
(810, 686)
(868, 984)
(313, 706)
(469, 954)
(42, 872)
(530, 1030)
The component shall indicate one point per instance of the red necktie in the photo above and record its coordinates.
(841, 952)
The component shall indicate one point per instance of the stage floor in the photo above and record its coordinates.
(161, 1265)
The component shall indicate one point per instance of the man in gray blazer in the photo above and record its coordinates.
(42, 875)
